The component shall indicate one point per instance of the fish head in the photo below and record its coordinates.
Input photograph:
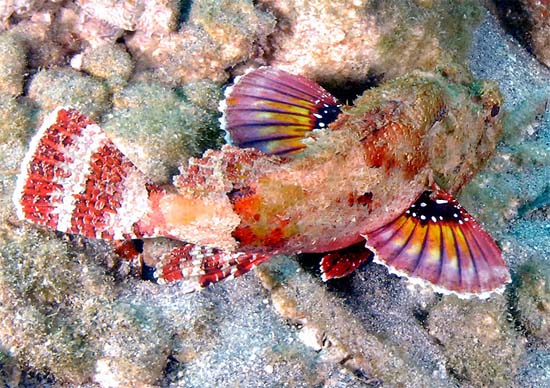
(465, 133)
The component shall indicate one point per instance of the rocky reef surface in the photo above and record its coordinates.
(529, 21)
(152, 72)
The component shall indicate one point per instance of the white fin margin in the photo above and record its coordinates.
(222, 106)
(414, 280)
(49, 120)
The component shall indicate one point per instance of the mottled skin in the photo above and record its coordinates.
(354, 177)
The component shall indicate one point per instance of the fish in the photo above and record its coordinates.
(300, 173)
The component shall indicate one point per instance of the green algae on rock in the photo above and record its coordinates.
(13, 63)
(478, 339)
(159, 128)
(109, 62)
(15, 120)
(16, 125)
(532, 300)
(61, 311)
(422, 34)
(46, 308)
(61, 314)
(51, 88)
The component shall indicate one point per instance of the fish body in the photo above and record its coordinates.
(305, 174)
(352, 178)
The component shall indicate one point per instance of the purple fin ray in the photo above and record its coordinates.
(273, 111)
(436, 242)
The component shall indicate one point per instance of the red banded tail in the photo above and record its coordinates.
(74, 179)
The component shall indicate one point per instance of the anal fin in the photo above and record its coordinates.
(196, 267)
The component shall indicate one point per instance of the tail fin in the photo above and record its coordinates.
(74, 179)
(436, 242)
(197, 267)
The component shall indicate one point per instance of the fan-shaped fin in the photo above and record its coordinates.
(75, 180)
(273, 111)
(437, 242)
(197, 267)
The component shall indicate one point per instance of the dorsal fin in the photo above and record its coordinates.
(273, 111)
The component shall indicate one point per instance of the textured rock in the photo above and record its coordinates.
(19, 9)
(532, 303)
(341, 335)
(529, 22)
(13, 63)
(46, 41)
(67, 87)
(217, 36)
(158, 16)
(478, 340)
(340, 42)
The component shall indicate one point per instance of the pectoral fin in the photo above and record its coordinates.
(273, 111)
(436, 242)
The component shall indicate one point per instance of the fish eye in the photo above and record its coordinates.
(494, 110)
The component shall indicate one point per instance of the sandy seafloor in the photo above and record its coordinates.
(525, 84)
(238, 334)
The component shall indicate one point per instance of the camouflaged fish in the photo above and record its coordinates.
(301, 173)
